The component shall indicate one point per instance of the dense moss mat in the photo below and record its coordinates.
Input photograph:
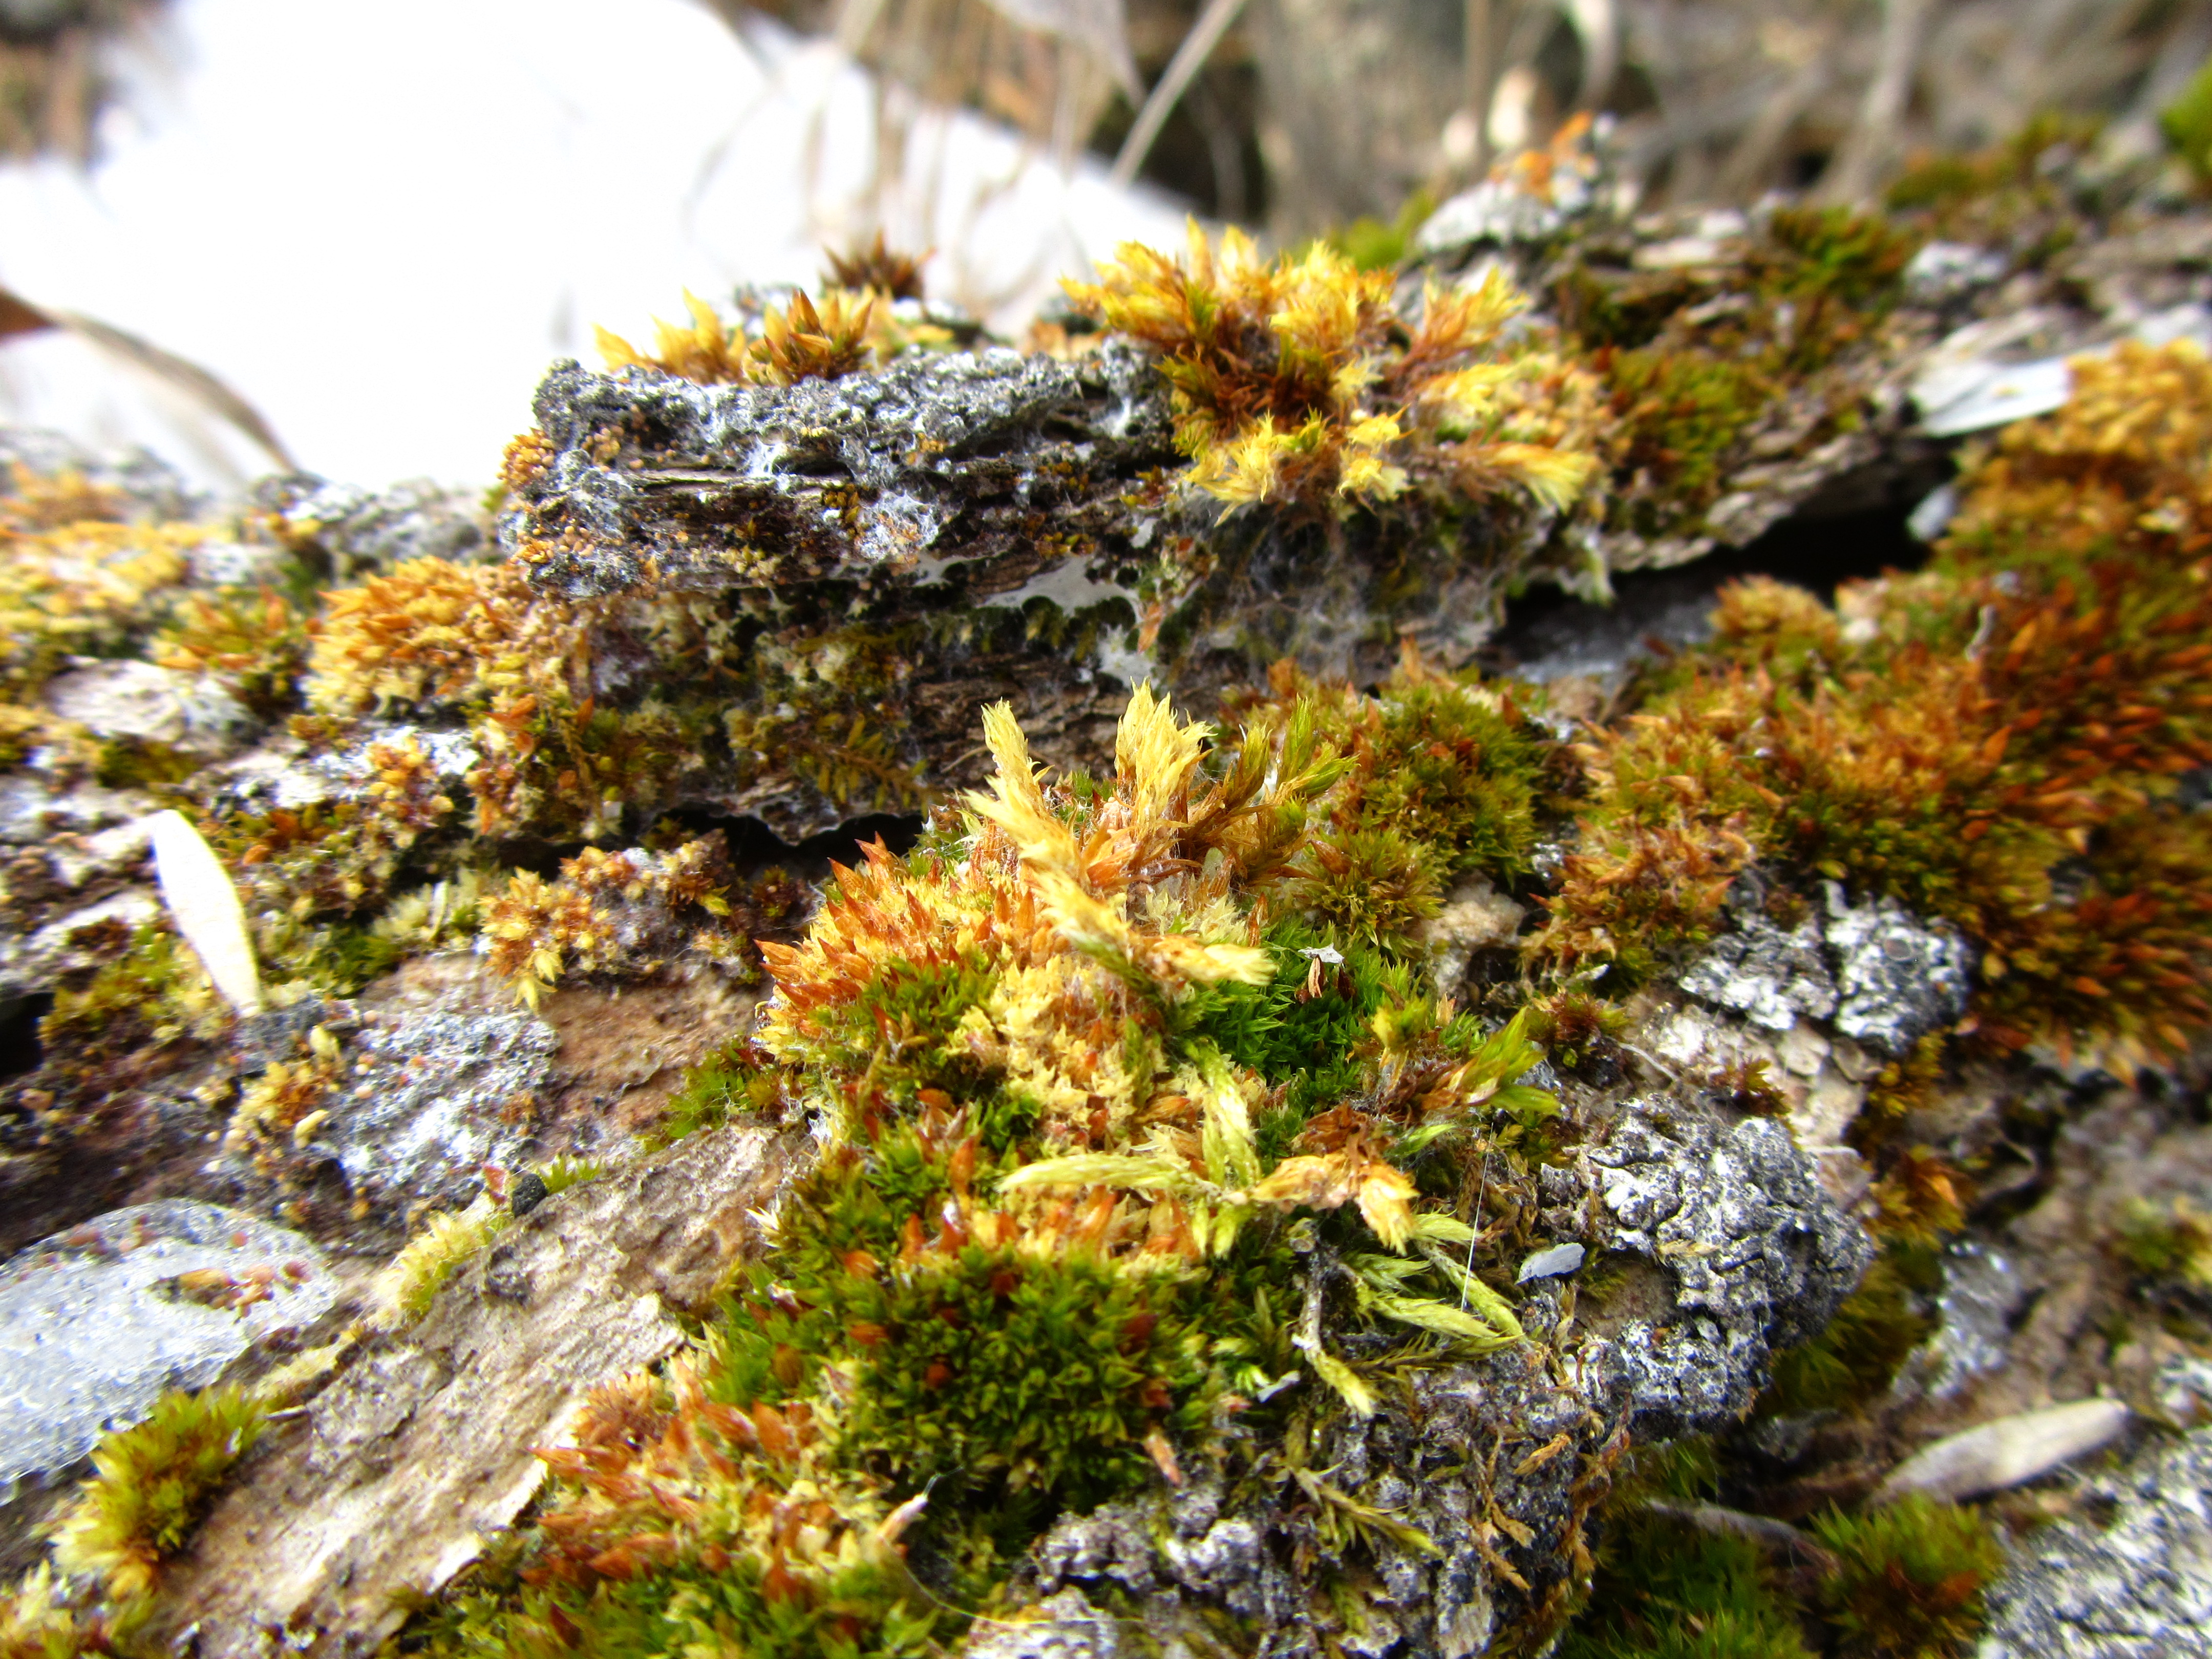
(1999, 741)
(1102, 1063)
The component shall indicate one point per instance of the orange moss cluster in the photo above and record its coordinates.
(430, 632)
(1995, 741)
(630, 913)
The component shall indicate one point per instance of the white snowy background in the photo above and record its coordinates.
(379, 223)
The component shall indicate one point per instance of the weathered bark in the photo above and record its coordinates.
(424, 1445)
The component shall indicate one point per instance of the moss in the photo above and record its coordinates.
(37, 1622)
(851, 326)
(1299, 383)
(631, 913)
(154, 1481)
(1681, 415)
(708, 352)
(256, 643)
(2169, 1242)
(1373, 245)
(801, 341)
(1693, 363)
(1075, 1135)
(876, 267)
(1921, 1196)
(1903, 1582)
(1746, 1086)
(1963, 739)
(1909, 1579)
(430, 632)
(286, 1101)
(84, 588)
(154, 990)
(2187, 124)
(405, 1292)
(1666, 1590)
(1663, 1586)
(2014, 193)
(1440, 780)
(1574, 1026)
(733, 1081)
(1854, 1360)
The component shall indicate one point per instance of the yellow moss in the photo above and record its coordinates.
(36, 1621)
(155, 1481)
(403, 1291)
(430, 631)
(1298, 382)
(82, 588)
(2120, 467)
(286, 1101)
(849, 328)
(34, 502)
(706, 352)
(622, 912)
(800, 342)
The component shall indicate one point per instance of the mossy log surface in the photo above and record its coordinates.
(1299, 1140)
(426, 1443)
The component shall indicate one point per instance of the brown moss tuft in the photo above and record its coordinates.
(875, 267)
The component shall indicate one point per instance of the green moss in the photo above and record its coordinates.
(152, 990)
(1440, 781)
(448, 1240)
(733, 1081)
(1838, 254)
(2170, 1242)
(997, 1371)
(154, 1481)
(1665, 1589)
(2187, 123)
(143, 763)
(1682, 414)
(1854, 1360)
(1376, 244)
(1903, 1582)
(1303, 1031)
(1910, 1577)
(865, 1611)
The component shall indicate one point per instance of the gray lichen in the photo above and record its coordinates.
(2137, 1587)
(1488, 1462)
(1897, 977)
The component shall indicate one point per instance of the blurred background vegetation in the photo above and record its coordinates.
(1018, 139)
(1301, 115)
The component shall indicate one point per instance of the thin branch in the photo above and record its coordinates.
(1190, 58)
(1851, 174)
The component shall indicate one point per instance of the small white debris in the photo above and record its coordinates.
(205, 905)
(1551, 1263)
(2005, 1452)
(1933, 516)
